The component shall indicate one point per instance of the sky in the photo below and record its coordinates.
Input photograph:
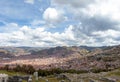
(49, 23)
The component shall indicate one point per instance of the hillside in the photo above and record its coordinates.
(78, 58)
(5, 54)
(61, 52)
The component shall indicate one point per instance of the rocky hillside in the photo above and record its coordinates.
(98, 59)
(78, 58)
(20, 51)
(5, 54)
(111, 76)
(61, 52)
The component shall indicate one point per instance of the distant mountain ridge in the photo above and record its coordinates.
(61, 51)
(90, 48)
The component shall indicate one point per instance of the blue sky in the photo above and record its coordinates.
(47, 23)
(21, 12)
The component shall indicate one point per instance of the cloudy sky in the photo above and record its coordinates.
(47, 23)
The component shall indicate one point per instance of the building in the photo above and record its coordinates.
(3, 77)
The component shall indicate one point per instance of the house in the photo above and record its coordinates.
(3, 77)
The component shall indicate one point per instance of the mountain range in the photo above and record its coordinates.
(74, 57)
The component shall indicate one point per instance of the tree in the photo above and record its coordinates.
(6, 67)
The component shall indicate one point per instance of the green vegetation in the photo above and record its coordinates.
(47, 74)
(59, 71)
(28, 69)
(12, 73)
(97, 70)
(116, 72)
(51, 78)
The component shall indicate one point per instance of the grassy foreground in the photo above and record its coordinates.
(41, 79)
(86, 77)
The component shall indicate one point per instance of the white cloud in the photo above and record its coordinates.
(27, 36)
(69, 33)
(108, 8)
(108, 37)
(53, 16)
(29, 1)
(9, 27)
(73, 3)
(91, 22)
(109, 33)
(37, 22)
(90, 8)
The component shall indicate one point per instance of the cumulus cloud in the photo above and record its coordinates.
(113, 34)
(8, 27)
(98, 20)
(53, 16)
(27, 36)
(89, 22)
(97, 23)
(96, 38)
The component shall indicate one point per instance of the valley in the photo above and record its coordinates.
(64, 57)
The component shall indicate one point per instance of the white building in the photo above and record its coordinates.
(36, 75)
(3, 77)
